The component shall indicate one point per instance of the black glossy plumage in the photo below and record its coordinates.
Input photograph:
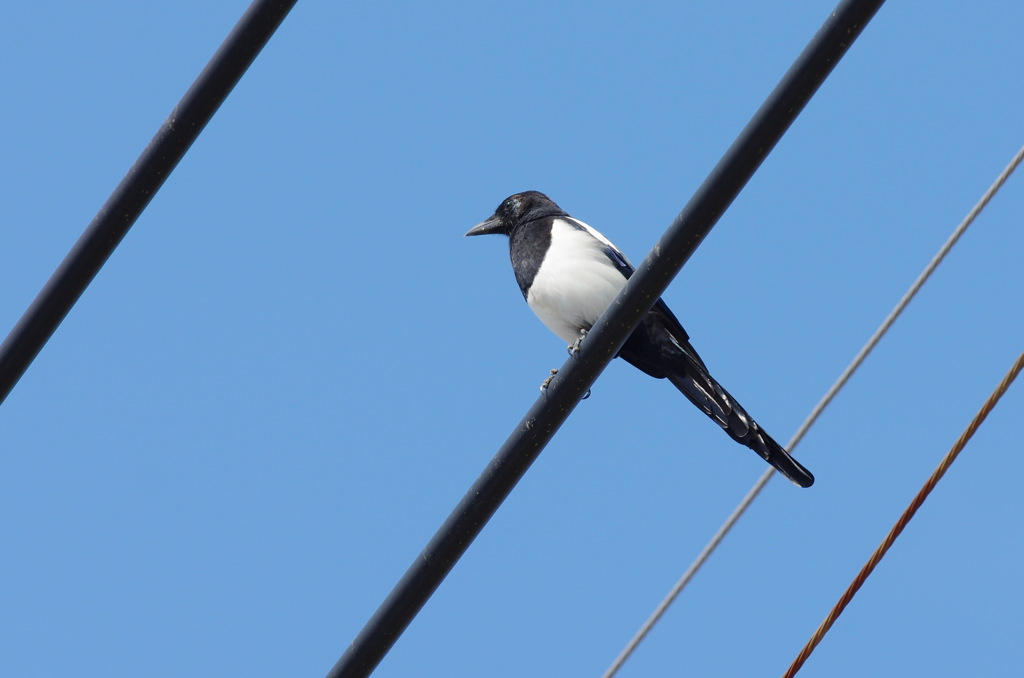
(659, 347)
(527, 245)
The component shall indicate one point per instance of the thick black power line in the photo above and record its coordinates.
(603, 342)
(137, 188)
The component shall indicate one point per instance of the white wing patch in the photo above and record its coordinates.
(576, 281)
(597, 234)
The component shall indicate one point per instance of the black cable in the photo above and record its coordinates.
(603, 342)
(137, 188)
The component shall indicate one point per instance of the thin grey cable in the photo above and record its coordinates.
(755, 490)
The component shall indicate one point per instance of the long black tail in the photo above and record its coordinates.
(707, 394)
(660, 347)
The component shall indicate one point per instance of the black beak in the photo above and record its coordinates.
(491, 226)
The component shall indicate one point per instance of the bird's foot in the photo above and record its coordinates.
(574, 347)
(546, 382)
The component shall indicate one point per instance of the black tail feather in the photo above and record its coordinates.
(660, 347)
(739, 425)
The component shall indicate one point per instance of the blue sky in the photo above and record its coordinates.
(294, 365)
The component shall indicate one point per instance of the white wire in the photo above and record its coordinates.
(813, 416)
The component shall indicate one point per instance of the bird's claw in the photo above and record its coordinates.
(546, 382)
(574, 347)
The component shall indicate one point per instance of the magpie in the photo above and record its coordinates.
(569, 274)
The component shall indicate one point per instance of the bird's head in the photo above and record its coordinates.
(515, 210)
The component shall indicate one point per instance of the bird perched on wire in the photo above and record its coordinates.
(569, 274)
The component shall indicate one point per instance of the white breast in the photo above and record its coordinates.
(575, 283)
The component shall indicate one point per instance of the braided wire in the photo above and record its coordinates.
(905, 518)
